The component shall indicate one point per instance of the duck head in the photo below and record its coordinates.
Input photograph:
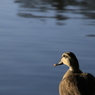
(68, 59)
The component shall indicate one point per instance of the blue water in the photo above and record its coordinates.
(32, 39)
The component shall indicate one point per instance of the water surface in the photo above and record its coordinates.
(33, 35)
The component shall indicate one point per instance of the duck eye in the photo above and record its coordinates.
(65, 56)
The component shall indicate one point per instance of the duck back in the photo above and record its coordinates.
(78, 84)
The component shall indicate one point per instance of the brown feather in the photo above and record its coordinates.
(78, 84)
(74, 81)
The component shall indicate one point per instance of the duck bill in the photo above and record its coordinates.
(60, 63)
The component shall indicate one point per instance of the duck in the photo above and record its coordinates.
(74, 81)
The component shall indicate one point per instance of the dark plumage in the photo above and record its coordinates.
(74, 81)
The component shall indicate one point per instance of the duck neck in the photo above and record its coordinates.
(74, 65)
(71, 71)
(75, 69)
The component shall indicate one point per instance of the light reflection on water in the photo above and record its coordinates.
(33, 35)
